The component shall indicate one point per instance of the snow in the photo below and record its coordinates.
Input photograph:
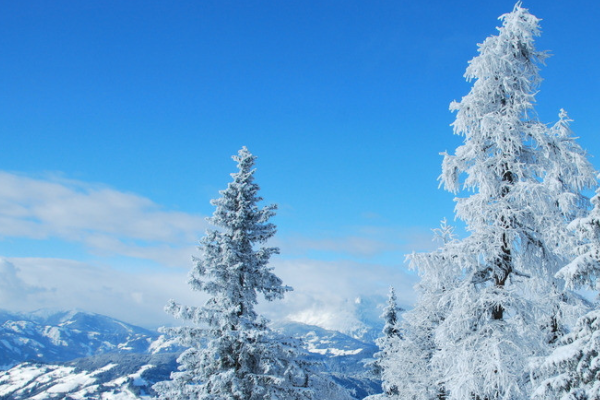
(15, 379)
(342, 320)
(59, 381)
(137, 377)
(124, 395)
(107, 367)
(562, 354)
(335, 352)
(54, 334)
(161, 344)
(71, 382)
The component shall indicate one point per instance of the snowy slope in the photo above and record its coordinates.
(344, 356)
(117, 376)
(109, 376)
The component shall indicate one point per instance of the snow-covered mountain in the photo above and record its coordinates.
(343, 355)
(86, 355)
(45, 336)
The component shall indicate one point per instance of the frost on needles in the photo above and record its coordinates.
(572, 371)
(490, 303)
(232, 353)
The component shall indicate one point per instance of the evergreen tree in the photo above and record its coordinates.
(390, 316)
(572, 371)
(504, 304)
(232, 353)
(388, 344)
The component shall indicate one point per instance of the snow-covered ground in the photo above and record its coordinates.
(39, 382)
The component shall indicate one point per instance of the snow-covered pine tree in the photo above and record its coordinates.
(504, 305)
(572, 371)
(390, 316)
(388, 344)
(232, 353)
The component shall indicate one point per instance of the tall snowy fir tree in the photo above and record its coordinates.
(232, 354)
(503, 305)
(572, 371)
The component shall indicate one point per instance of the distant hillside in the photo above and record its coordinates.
(45, 336)
(49, 355)
(107, 377)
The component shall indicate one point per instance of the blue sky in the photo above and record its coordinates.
(119, 120)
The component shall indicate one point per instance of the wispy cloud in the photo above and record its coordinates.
(104, 219)
(324, 292)
(356, 246)
(322, 282)
(361, 263)
(135, 297)
(365, 242)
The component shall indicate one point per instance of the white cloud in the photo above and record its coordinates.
(137, 298)
(355, 246)
(366, 242)
(320, 289)
(12, 287)
(330, 272)
(325, 291)
(112, 223)
(107, 221)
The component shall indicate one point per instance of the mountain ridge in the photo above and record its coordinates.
(48, 336)
(82, 355)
